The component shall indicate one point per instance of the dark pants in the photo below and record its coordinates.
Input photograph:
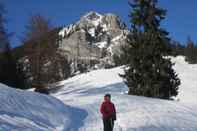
(108, 124)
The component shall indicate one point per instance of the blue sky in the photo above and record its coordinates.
(181, 19)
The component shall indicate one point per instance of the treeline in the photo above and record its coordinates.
(189, 50)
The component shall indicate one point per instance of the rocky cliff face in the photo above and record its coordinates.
(94, 37)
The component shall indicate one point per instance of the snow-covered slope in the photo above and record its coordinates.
(83, 94)
(188, 75)
(134, 113)
(29, 111)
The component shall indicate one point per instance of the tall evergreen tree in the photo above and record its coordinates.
(3, 33)
(149, 72)
(10, 73)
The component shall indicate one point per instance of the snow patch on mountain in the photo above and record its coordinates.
(67, 30)
(117, 37)
(92, 32)
(101, 44)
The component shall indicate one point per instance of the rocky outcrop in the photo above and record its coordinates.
(93, 37)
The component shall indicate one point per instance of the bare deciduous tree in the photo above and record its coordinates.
(46, 63)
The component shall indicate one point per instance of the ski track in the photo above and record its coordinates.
(134, 113)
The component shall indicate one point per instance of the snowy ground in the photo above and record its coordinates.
(188, 75)
(29, 111)
(85, 93)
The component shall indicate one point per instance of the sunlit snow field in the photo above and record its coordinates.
(82, 96)
(85, 92)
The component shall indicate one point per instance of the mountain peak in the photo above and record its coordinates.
(92, 15)
(96, 25)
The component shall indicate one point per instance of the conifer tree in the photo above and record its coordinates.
(10, 73)
(149, 72)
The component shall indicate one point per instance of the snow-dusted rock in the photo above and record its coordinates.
(93, 32)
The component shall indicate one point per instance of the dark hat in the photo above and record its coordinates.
(108, 95)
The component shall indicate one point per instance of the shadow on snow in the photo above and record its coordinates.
(77, 118)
